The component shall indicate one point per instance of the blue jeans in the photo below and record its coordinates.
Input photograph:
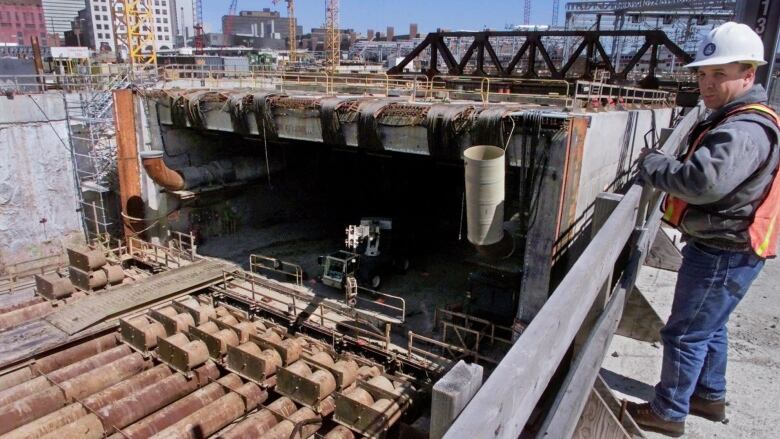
(710, 284)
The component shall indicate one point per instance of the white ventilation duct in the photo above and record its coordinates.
(485, 171)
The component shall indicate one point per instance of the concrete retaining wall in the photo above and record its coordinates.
(38, 201)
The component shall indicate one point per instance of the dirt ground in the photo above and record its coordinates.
(632, 368)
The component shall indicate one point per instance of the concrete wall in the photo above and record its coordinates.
(38, 201)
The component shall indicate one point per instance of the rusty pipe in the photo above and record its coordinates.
(215, 416)
(340, 432)
(133, 407)
(89, 363)
(159, 172)
(25, 304)
(127, 387)
(14, 378)
(300, 425)
(21, 315)
(30, 408)
(48, 423)
(262, 421)
(76, 353)
(104, 376)
(87, 427)
(173, 413)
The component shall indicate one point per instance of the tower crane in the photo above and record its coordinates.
(291, 29)
(227, 32)
(133, 22)
(197, 14)
(332, 35)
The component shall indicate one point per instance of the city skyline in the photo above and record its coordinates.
(430, 15)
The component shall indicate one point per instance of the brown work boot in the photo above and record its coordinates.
(645, 418)
(714, 410)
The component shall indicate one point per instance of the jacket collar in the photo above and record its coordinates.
(756, 94)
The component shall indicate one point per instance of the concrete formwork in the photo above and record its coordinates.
(38, 201)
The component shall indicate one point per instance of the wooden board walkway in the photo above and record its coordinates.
(84, 313)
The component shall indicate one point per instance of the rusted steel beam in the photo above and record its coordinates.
(48, 423)
(76, 353)
(148, 400)
(127, 160)
(127, 387)
(215, 416)
(87, 427)
(30, 408)
(179, 409)
(306, 421)
(262, 421)
(21, 315)
(104, 376)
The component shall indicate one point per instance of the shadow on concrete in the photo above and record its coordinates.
(628, 386)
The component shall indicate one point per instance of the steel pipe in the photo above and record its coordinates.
(48, 423)
(218, 414)
(159, 172)
(89, 364)
(25, 304)
(21, 315)
(76, 353)
(30, 408)
(127, 387)
(309, 424)
(262, 421)
(183, 407)
(87, 427)
(133, 407)
(104, 376)
(340, 432)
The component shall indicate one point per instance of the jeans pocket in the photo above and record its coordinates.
(710, 252)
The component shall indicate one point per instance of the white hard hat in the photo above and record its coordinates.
(730, 42)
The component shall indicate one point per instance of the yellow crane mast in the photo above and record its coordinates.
(332, 35)
(133, 22)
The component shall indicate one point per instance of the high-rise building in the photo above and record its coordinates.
(413, 30)
(59, 14)
(100, 31)
(390, 33)
(370, 35)
(185, 19)
(20, 20)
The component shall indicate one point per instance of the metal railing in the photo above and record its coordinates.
(594, 95)
(503, 406)
(274, 265)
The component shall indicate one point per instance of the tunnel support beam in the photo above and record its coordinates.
(127, 161)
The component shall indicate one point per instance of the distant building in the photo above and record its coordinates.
(94, 26)
(390, 33)
(185, 20)
(413, 30)
(370, 35)
(59, 14)
(261, 26)
(20, 20)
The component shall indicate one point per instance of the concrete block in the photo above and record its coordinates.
(451, 394)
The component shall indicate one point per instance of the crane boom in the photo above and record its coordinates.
(291, 30)
(332, 35)
(227, 32)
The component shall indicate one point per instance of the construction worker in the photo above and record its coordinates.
(723, 195)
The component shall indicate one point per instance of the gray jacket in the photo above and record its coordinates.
(726, 178)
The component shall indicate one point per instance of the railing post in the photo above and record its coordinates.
(604, 205)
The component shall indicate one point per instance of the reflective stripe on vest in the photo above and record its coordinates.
(763, 230)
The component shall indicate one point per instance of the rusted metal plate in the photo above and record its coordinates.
(28, 338)
(77, 316)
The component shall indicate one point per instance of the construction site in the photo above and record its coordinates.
(436, 236)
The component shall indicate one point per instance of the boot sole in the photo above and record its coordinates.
(661, 430)
(710, 417)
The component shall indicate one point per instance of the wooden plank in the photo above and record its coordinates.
(81, 314)
(537, 260)
(664, 254)
(504, 403)
(604, 206)
(640, 321)
(598, 421)
(615, 406)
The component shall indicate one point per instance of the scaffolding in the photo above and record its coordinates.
(91, 131)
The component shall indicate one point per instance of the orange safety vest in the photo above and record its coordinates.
(763, 230)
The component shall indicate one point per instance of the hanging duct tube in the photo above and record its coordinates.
(485, 170)
(236, 169)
